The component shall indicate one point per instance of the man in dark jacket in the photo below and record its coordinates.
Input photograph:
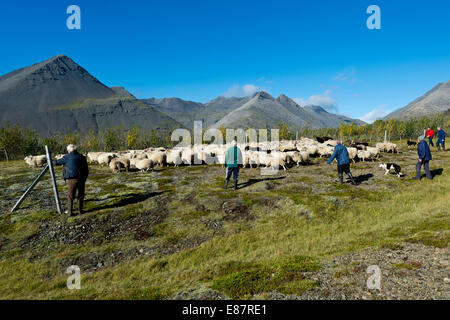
(424, 156)
(75, 173)
(343, 162)
(233, 158)
(441, 139)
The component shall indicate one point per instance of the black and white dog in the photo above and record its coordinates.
(392, 166)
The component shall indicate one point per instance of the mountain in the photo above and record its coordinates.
(186, 112)
(258, 111)
(121, 91)
(435, 101)
(261, 111)
(58, 94)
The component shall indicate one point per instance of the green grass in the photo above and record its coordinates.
(305, 219)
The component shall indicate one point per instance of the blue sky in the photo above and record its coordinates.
(313, 51)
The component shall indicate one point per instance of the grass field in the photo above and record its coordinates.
(161, 234)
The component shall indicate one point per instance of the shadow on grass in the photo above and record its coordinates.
(253, 181)
(436, 172)
(131, 198)
(363, 177)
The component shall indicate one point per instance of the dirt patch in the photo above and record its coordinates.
(112, 226)
(411, 271)
(234, 210)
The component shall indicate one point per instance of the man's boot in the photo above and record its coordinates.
(80, 206)
(225, 185)
(351, 179)
(70, 208)
(235, 184)
(341, 178)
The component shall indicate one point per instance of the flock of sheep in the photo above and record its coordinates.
(291, 152)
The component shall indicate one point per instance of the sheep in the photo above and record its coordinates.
(277, 161)
(364, 154)
(391, 147)
(187, 156)
(117, 163)
(143, 164)
(387, 147)
(325, 151)
(272, 160)
(375, 152)
(36, 161)
(174, 157)
(298, 158)
(352, 153)
(140, 156)
(105, 158)
(93, 156)
(158, 158)
(332, 143)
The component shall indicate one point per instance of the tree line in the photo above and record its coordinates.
(17, 141)
(395, 129)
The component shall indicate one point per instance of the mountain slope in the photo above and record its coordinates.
(261, 111)
(58, 94)
(264, 111)
(186, 112)
(435, 101)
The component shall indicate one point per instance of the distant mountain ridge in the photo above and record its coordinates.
(58, 94)
(435, 101)
(258, 111)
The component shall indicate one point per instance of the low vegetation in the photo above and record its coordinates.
(163, 233)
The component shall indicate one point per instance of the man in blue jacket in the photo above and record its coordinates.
(441, 139)
(75, 173)
(343, 162)
(233, 158)
(424, 156)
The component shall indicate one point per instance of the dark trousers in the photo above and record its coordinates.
(75, 187)
(442, 143)
(430, 140)
(426, 165)
(234, 171)
(343, 168)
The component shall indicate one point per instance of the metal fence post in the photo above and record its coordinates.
(52, 174)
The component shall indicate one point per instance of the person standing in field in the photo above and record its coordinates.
(441, 139)
(75, 174)
(430, 134)
(343, 162)
(233, 158)
(424, 157)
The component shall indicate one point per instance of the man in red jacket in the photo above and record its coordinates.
(430, 135)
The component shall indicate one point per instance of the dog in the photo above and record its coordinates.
(411, 143)
(392, 166)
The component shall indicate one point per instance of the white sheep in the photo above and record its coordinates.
(374, 151)
(352, 153)
(105, 158)
(158, 158)
(117, 163)
(364, 154)
(174, 158)
(36, 161)
(143, 164)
